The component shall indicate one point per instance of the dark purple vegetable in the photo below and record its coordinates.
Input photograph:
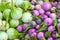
(48, 21)
(40, 35)
(50, 38)
(59, 20)
(38, 21)
(32, 32)
(41, 11)
(33, 23)
(35, 13)
(51, 28)
(48, 13)
(19, 28)
(46, 6)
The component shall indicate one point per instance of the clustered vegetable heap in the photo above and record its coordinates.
(30, 20)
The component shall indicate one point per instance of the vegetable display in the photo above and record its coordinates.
(29, 19)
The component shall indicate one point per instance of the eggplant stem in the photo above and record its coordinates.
(12, 3)
(6, 21)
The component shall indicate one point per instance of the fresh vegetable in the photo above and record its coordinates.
(59, 20)
(29, 20)
(18, 2)
(46, 6)
(10, 2)
(4, 6)
(51, 28)
(27, 17)
(14, 23)
(12, 33)
(3, 35)
(4, 25)
(40, 35)
(19, 28)
(48, 13)
(41, 11)
(16, 13)
(6, 14)
(26, 5)
(35, 13)
(33, 23)
(48, 21)
(52, 15)
(32, 32)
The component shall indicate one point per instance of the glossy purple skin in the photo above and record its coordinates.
(46, 6)
(35, 13)
(59, 20)
(19, 28)
(25, 26)
(54, 33)
(51, 28)
(58, 25)
(31, 31)
(48, 21)
(54, 3)
(40, 2)
(48, 13)
(50, 38)
(33, 23)
(33, 34)
(37, 26)
(32, 6)
(58, 13)
(52, 15)
(40, 35)
(41, 11)
(43, 17)
(38, 21)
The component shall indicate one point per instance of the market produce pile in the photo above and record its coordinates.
(30, 20)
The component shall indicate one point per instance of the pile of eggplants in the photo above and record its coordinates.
(29, 19)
